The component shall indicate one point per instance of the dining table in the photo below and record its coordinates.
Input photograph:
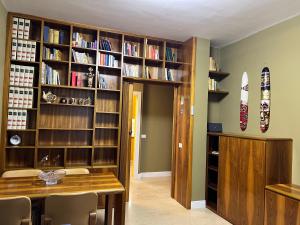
(104, 184)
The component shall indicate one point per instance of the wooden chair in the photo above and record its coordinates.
(76, 171)
(15, 211)
(75, 209)
(22, 173)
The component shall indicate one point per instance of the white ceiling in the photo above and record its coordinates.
(222, 21)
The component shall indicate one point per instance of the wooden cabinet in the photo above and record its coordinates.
(246, 166)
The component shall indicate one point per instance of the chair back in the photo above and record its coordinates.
(15, 211)
(74, 209)
(22, 173)
(76, 171)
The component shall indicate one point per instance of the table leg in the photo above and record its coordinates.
(119, 213)
(108, 209)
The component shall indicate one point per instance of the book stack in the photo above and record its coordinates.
(20, 97)
(78, 41)
(108, 60)
(52, 54)
(105, 44)
(131, 70)
(21, 28)
(171, 54)
(23, 50)
(54, 36)
(78, 79)
(132, 48)
(151, 72)
(49, 75)
(212, 84)
(17, 119)
(82, 57)
(152, 52)
(21, 75)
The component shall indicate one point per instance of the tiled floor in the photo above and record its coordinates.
(150, 204)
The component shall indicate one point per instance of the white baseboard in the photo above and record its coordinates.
(198, 204)
(155, 174)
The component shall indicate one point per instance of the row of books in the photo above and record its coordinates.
(132, 48)
(20, 28)
(49, 75)
(78, 79)
(152, 52)
(108, 60)
(171, 54)
(21, 75)
(131, 70)
(212, 84)
(152, 72)
(20, 97)
(78, 41)
(54, 36)
(82, 57)
(23, 50)
(17, 119)
(52, 53)
(105, 44)
(169, 74)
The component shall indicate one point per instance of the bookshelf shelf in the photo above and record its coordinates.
(84, 49)
(63, 147)
(67, 129)
(83, 64)
(111, 52)
(105, 166)
(31, 109)
(55, 61)
(112, 128)
(68, 87)
(102, 112)
(157, 81)
(56, 45)
(23, 86)
(109, 67)
(24, 62)
(19, 147)
(106, 146)
(22, 39)
(68, 105)
(112, 90)
(218, 75)
(22, 130)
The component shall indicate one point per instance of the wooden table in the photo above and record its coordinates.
(102, 183)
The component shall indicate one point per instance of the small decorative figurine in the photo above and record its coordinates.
(64, 100)
(72, 101)
(90, 77)
(49, 97)
(102, 83)
(87, 101)
(80, 101)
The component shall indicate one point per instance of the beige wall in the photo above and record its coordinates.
(279, 49)
(157, 119)
(3, 14)
(200, 119)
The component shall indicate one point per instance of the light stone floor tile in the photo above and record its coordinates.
(150, 204)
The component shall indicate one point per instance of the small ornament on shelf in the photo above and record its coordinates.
(49, 97)
(90, 77)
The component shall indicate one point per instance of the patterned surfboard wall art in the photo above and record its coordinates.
(265, 101)
(244, 102)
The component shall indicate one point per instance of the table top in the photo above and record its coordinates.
(33, 187)
(289, 190)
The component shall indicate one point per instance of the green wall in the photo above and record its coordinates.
(200, 119)
(3, 15)
(278, 48)
(157, 122)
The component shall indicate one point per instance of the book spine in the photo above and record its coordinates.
(19, 119)
(25, 98)
(23, 119)
(12, 74)
(19, 49)
(17, 75)
(14, 47)
(10, 119)
(30, 77)
(14, 32)
(51, 36)
(46, 34)
(26, 76)
(11, 97)
(26, 29)
(21, 28)
(28, 51)
(30, 97)
(16, 97)
(24, 50)
(21, 96)
(21, 76)
(33, 50)
(14, 119)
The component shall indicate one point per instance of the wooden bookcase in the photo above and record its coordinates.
(76, 135)
(217, 95)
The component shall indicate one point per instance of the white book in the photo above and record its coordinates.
(19, 50)
(24, 50)
(14, 119)
(12, 74)
(23, 119)
(33, 49)
(28, 51)
(15, 27)
(25, 98)
(19, 119)
(26, 76)
(14, 46)
(21, 76)
(43, 77)
(30, 97)
(17, 75)
(11, 97)
(21, 28)
(20, 99)
(26, 29)
(16, 97)
(10, 119)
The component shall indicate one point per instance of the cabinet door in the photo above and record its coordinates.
(251, 182)
(228, 196)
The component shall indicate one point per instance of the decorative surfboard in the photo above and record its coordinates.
(265, 100)
(244, 102)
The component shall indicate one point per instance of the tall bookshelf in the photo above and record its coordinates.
(81, 135)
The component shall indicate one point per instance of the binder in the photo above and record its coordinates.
(17, 75)
(15, 27)
(33, 49)
(21, 96)
(14, 119)
(26, 29)
(25, 98)
(11, 97)
(14, 46)
(21, 76)
(19, 119)
(30, 76)
(16, 97)
(26, 76)
(10, 119)
(24, 50)
(51, 34)
(30, 97)
(19, 49)
(28, 51)
(23, 119)
(21, 28)
(56, 36)
(12, 75)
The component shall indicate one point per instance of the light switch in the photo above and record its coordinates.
(143, 136)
